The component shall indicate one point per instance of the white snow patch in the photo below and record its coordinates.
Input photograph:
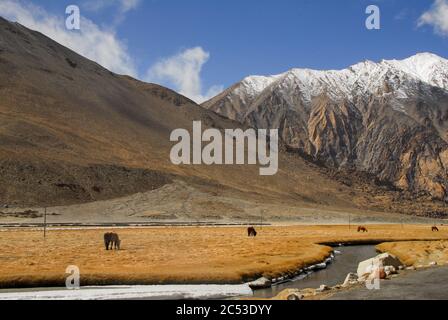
(133, 292)
(254, 85)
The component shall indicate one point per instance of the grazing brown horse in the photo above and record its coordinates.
(112, 241)
(435, 229)
(362, 229)
(251, 232)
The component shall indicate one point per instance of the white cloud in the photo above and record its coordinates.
(183, 71)
(91, 41)
(127, 5)
(124, 5)
(436, 16)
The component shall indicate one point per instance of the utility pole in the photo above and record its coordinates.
(45, 222)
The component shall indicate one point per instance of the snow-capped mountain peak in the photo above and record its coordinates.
(254, 85)
(366, 76)
(426, 67)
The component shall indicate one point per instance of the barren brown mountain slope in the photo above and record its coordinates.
(73, 132)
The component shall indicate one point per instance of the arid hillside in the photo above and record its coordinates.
(72, 132)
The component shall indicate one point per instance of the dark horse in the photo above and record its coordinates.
(251, 232)
(362, 229)
(435, 229)
(112, 241)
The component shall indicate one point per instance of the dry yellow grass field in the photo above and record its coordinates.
(178, 255)
(418, 253)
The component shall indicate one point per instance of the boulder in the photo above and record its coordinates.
(292, 294)
(377, 273)
(434, 263)
(388, 259)
(385, 259)
(337, 287)
(351, 279)
(295, 296)
(363, 278)
(323, 288)
(262, 283)
(389, 270)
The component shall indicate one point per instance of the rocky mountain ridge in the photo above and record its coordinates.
(387, 118)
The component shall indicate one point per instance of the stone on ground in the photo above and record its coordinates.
(368, 266)
(351, 279)
(262, 283)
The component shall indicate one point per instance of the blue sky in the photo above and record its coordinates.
(236, 38)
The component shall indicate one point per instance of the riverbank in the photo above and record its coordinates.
(180, 255)
(425, 265)
(346, 259)
(418, 253)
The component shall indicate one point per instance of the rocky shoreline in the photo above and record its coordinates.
(370, 272)
(263, 283)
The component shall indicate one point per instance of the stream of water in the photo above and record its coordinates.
(346, 260)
